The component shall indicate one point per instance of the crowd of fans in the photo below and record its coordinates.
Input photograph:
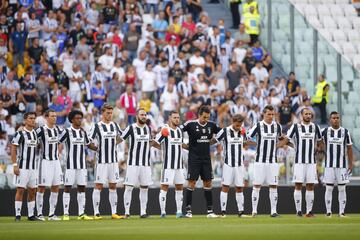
(160, 56)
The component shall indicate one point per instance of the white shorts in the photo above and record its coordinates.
(28, 178)
(138, 175)
(172, 176)
(305, 173)
(336, 175)
(107, 173)
(75, 176)
(50, 173)
(266, 174)
(233, 175)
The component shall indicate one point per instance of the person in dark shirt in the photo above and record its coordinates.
(233, 76)
(286, 114)
(177, 72)
(29, 92)
(110, 15)
(17, 44)
(35, 53)
(60, 76)
(249, 62)
(76, 33)
(200, 133)
(292, 86)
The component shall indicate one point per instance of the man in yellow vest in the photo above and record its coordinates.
(234, 8)
(250, 3)
(321, 97)
(251, 20)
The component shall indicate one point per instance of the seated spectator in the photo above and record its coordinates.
(292, 86)
(261, 74)
(242, 37)
(129, 103)
(286, 114)
(98, 95)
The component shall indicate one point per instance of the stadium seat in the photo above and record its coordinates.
(280, 35)
(356, 23)
(326, 34)
(335, 10)
(345, 87)
(342, 1)
(336, 46)
(327, 1)
(332, 107)
(308, 34)
(298, 34)
(284, 21)
(354, 97)
(356, 61)
(339, 35)
(329, 60)
(347, 72)
(356, 85)
(314, 21)
(347, 121)
(299, 1)
(349, 10)
(310, 10)
(357, 121)
(302, 72)
(285, 61)
(353, 35)
(306, 47)
(277, 48)
(343, 23)
(348, 48)
(299, 21)
(302, 60)
(323, 47)
(331, 74)
(333, 97)
(329, 23)
(348, 109)
(323, 11)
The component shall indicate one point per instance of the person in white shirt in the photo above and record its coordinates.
(140, 63)
(260, 72)
(92, 16)
(118, 69)
(198, 61)
(148, 82)
(169, 101)
(50, 26)
(74, 86)
(52, 49)
(162, 74)
(239, 53)
(107, 62)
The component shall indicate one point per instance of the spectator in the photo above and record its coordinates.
(107, 61)
(169, 101)
(58, 106)
(131, 42)
(258, 51)
(248, 62)
(17, 44)
(65, 100)
(261, 74)
(98, 95)
(29, 92)
(234, 8)
(116, 87)
(286, 114)
(251, 21)
(242, 37)
(321, 97)
(128, 102)
(148, 82)
(233, 76)
(51, 47)
(267, 64)
(292, 86)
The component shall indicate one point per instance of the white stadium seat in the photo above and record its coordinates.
(314, 21)
(353, 35)
(280, 35)
(356, 61)
(342, 1)
(308, 34)
(354, 97)
(299, 1)
(323, 47)
(302, 60)
(356, 23)
(339, 35)
(306, 47)
(343, 23)
(329, 23)
(326, 34)
(348, 48)
(349, 10)
(323, 10)
(347, 121)
(356, 85)
(310, 10)
(349, 110)
(335, 10)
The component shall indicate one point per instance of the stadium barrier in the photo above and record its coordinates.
(285, 203)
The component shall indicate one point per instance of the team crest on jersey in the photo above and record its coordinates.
(209, 129)
(204, 130)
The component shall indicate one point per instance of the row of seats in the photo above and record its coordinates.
(324, 10)
(321, 1)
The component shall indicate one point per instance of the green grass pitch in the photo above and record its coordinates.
(263, 227)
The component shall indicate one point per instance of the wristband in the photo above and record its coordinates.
(15, 164)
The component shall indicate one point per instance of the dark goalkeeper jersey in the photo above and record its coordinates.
(199, 138)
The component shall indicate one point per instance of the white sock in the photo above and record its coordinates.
(328, 198)
(309, 197)
(298, 200)
(66, 202)
(81, 202)
(143, 196)
(240, 201)
(127, 199)
(18, 206)
(162, 201)
(342, 198)
(52, 202)
(96, 200)
(39, 203)
(179, 200)
(273, 195)
(31, 206)
(223, 200)
(113, 200)
(255, 199)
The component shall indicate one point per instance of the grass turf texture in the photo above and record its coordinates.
(287, 227)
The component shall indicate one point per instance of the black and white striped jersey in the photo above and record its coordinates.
(49, 142)
(139, 144)
(75, 141)
(336, 142)
(27, 142)
(267, 136)
(105, 135)
(304, 137)
(171, 147)
(232, 142)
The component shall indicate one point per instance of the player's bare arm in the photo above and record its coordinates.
(13, 159)
(350, 158)
(93, 147)
(185, 146)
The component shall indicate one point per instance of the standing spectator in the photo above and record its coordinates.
(50, 25)
(261, 74)
(42, 88)
(98, 95)
(267, 64)
(35, 54)
(169, 101)
(233, 76)
(107, 62)
(321, 97)
(131, 41)
(17, 45)
(249, 62)
(140, 63)
(51, 47)
(243, 37)
(109, 15)
(160, 26)
(92, 16)
(29, 92)
(194, 8)
(74, 84)
(292, 86)
(258, 51)
(65, 100)
(251, 20)
(148, 83)
(58, 106)
(34, 27)
(162, 75)
(116, 87)
(234, 8)
(286, 114)
(154, 4)
(128, 101)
